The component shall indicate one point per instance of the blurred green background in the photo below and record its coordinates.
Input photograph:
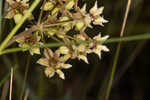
(89, 81)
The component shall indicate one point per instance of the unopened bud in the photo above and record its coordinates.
(79, 25)
(70, 5)
(55, 11)
(48, 6)
(17, 18)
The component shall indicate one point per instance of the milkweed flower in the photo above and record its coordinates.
(94, 15)
(17, 8)
(53, 63)
(97, 47)
(29, 41)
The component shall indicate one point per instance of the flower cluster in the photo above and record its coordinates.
(56, 19)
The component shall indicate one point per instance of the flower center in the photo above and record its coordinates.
(92, 17)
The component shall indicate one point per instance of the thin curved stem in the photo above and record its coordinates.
(50, 45)
(114, 67)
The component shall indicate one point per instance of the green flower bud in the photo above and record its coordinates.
(70, 4)
(52, 31)
(79, 25)
(60, 36)
(66, 26)
(48, 6)
(55, 11)
(65, 18)
(24, 46)
(35, 51)
(17, 18)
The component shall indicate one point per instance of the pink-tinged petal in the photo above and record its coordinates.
(43, 61)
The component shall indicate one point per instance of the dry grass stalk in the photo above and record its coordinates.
(11, 83)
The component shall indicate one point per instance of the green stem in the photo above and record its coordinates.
(129, 38)
(112, 40)
(25, 77)
(6, 77)
(112, 72)
(15, 29)
(1, 2)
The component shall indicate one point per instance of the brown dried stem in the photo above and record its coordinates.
(11, 84)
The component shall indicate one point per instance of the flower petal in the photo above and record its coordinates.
(103, 48)
(35, 51)
(81, 48)
(83, 9)
(88, 20)
(66, 66)
(65, 57)
(84, 58)
(99, 11)
(48, 53)
(10, 14)
(99, 38)
(80, 37)
(49, 72)
(99, 21)
(60, 73)
(98, 52)
(94, 9)
(63, 50)
(43, 61)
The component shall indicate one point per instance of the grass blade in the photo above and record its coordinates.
(25, 77)
(11, 84)
(1, 2)
(112, 74)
